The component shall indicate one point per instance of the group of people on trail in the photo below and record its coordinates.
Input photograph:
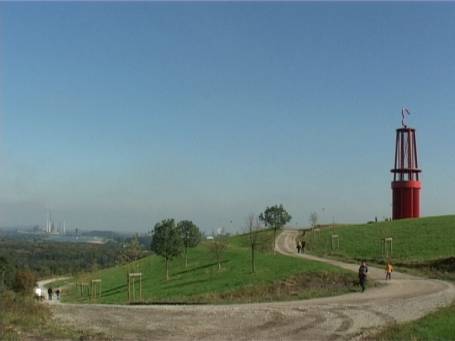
(301, 246)
(363, 269)
(50, 294)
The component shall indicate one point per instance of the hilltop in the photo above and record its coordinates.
(425, 243)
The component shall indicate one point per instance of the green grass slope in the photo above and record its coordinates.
(277, 278)
(426, 245)
(436, 326)
(414, 240)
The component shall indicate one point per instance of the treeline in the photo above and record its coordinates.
(45, 258)
(22, 262)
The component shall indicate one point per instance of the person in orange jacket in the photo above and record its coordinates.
(388, 270)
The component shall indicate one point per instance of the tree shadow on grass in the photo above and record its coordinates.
(113, 291)
(180, 285)
(187, 283)
(199, 267)
(123, 288)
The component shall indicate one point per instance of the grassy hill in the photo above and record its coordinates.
(426, 245)
(276, 278)
(425, 242)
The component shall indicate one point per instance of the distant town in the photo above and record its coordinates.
(60, 231)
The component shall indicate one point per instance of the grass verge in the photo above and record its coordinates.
(23, 318)
(437, 326)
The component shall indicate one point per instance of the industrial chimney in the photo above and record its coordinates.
(406, 184)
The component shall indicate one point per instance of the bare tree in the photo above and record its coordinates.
(253, 228)
(313, 219)
(133, 250)
(314, 222)
(218, 246)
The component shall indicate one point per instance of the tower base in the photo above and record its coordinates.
(406, 199)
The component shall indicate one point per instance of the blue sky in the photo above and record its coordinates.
(117, 115)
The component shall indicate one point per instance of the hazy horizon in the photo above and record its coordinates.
(118, 115)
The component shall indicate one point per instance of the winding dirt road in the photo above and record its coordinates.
(342, 317)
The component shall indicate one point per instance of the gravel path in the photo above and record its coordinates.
(344, 317)
(44, 285)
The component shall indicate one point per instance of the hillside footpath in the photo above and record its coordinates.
(342, 317)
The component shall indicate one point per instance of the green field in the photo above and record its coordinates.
(436, 326)
(276, 278)
(415, 241)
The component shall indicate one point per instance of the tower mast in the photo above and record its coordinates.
(406, 184)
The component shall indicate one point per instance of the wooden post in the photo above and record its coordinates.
(385, 250)
(84, 288)
(132, 277)
(95, 289)
(317, 232)
(335, 242)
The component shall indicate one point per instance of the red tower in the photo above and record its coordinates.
(406, 184)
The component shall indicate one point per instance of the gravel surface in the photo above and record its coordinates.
(344, 317)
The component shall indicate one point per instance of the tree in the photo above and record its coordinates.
(313, 219)
(7, 273)
(133, 249)
(253, 228)
(191, 236)
(24, 281)
(275, 217)
(166, 241)
(218, 246)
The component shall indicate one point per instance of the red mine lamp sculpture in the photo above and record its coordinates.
(406, 184)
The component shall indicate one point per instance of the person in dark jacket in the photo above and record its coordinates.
(49, 292)
(363, 269)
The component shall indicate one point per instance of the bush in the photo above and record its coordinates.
(25, 281)
(7, 274)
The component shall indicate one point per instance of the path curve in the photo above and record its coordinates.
(342, 317)
(44, 285)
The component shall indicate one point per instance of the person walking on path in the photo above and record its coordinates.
(57, 292)
(302, 250)
(388, 270)
(49, 292)
(363, 269)
(299, 246)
